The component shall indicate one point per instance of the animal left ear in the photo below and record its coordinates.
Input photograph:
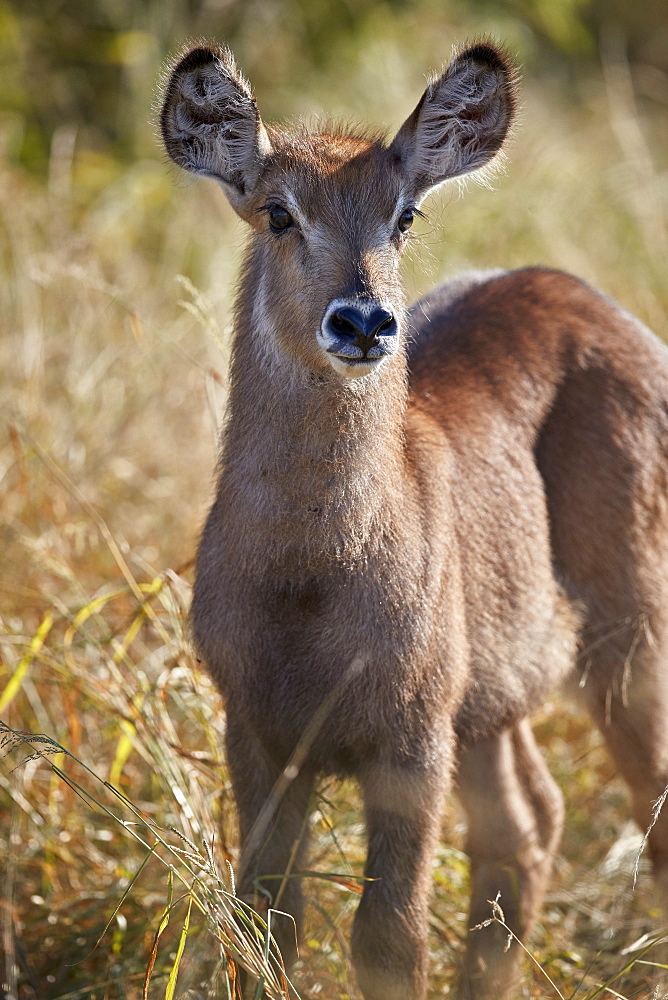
(461, 121)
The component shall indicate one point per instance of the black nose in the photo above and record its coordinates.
(361, 328)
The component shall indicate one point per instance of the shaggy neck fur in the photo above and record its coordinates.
(312, 463)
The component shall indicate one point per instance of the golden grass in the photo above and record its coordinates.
(115, 315)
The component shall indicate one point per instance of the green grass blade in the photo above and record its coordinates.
(127, 892)
(13, 685)
(171, 982)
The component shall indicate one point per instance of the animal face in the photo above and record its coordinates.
(330, 291)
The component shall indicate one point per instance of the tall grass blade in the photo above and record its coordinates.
(171, 982)
(13, 685)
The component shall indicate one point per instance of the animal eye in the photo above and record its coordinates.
(405, 220)
(280, 218)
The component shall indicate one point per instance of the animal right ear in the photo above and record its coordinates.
(211, 125)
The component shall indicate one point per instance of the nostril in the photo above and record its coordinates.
(386, 328)
(380, 323)
(343, 326)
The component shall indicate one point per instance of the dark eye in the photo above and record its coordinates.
(405, 220)
(280, 218)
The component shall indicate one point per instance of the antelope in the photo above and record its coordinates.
(425, 519)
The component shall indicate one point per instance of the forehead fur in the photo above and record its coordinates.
(331, 142)
(337, 162)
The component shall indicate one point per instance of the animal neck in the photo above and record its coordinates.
(312, 463)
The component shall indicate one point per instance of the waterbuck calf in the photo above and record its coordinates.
(421, 517)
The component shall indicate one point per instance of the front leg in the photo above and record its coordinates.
(403, 801)
(273, 804)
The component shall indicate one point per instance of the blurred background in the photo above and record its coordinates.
(117, 281)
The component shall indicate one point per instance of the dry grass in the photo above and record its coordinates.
(115, 316)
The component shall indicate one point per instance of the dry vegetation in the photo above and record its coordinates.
(116, 824)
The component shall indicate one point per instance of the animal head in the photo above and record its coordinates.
(331, 210)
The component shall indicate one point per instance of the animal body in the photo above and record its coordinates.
(422, 517)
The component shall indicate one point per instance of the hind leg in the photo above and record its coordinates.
(625, 687)
(603, 455)
(515, 816)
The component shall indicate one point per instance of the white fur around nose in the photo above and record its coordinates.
(353, 371)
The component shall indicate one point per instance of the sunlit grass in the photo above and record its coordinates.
(115, 313)
(125, 816)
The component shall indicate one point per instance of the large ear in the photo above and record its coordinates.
(461, 121)
(210, 122)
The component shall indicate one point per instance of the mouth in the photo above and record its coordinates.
(353, 362)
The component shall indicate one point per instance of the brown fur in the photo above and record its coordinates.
(398, 567)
